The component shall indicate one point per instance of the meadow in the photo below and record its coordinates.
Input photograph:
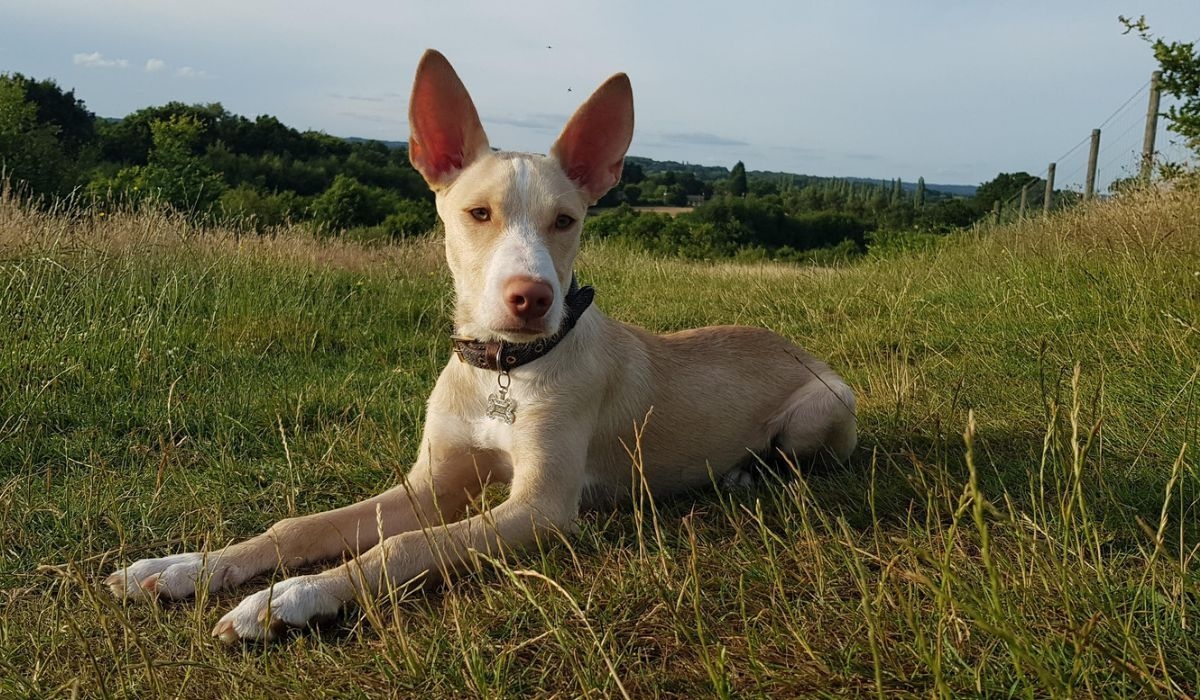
(1021, 517)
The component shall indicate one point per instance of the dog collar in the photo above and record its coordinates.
(499, 356)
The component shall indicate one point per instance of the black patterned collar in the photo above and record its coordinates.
(497, 355)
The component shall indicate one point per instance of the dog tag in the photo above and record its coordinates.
(501, 407)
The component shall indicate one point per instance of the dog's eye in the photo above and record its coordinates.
(481, 214)
(563, 221)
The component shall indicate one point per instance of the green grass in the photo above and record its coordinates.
(1020, 519)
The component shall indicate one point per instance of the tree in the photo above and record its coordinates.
(131, 140)
(738, 186)
(1125, 185)
(919, 196)
(412, 217)
(761, 187)
(245, 207)
(1003, 187)
(1180, 65)
(76, 125)
(947, 215)
(632, 173)
(675, 196)
(173, 174)
(30, 152)
(348, 203)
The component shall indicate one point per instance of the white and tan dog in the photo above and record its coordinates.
(545, 393)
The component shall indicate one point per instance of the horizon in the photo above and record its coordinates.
(950, 93)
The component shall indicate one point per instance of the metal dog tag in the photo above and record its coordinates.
(499, 405)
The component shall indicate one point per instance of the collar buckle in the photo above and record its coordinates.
(456, 344)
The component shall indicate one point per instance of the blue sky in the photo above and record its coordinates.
(954, 91)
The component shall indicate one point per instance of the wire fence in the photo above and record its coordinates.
(1119, 160)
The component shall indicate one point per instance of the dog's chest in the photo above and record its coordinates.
(503, 410)
(492, 434)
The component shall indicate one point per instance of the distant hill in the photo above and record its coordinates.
(705, 173)
(956, 190)
(389, 144)
(709, 173)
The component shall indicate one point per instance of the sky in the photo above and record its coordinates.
(954, 91)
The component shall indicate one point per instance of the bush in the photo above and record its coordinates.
(882, 243)
(410, 217)
(348, 203)
(173, 175)
(244, 206)
(749, 228)
(833, 256)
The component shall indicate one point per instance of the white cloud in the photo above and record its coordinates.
(97, 60)
(155, 65)
(189, 72)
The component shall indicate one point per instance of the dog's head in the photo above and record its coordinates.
(512, 220)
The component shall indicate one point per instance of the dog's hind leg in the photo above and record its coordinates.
(817, 424)
(819, 420)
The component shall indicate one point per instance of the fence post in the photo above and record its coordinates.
(1048, 200)
(1024, 201)
(1151, 128)
(996, 212)
(1093, 155)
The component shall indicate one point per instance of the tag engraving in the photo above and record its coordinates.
(501, 407)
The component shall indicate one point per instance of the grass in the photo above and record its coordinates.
(1020, 519)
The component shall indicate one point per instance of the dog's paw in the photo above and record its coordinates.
(174, 577)
(738, 478)
(293, 602)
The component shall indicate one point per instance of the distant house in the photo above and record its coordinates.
(695, 200)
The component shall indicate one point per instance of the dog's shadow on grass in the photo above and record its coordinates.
(896, 478)
(888, 479)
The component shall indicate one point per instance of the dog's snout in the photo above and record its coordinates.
(527, 298)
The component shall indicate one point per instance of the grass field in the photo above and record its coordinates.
(1021, 517)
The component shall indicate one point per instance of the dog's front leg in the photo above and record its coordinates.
(440, 485)
(544, 499)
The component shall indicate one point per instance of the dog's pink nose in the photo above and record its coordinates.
(527, 298)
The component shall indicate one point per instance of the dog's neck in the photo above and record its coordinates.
(500, 356)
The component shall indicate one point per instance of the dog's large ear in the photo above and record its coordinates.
(446, 133)
(591, 148)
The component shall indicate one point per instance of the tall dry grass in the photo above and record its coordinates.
(1021, 518)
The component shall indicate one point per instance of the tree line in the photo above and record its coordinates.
(212, 165)
(781, 216)
(207, 163)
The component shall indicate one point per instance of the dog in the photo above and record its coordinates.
(543, 391)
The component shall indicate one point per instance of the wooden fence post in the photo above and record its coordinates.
(1151, 128)
(1090, 189)
(1049, 198)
